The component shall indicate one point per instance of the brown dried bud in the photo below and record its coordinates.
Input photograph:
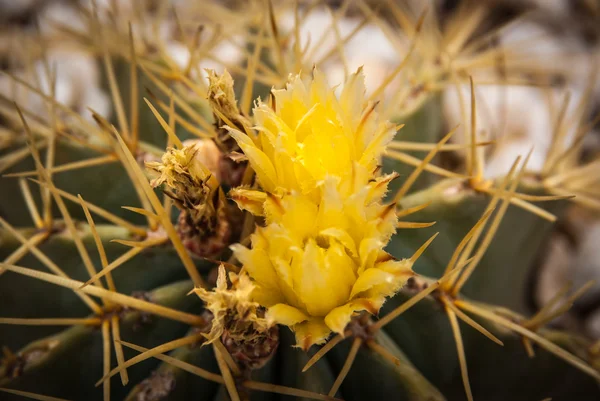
(239, 322)
(203, 224)
(253, 353)
(207, 237)
(221, 98)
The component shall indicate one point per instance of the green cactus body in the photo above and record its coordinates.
(118, 281)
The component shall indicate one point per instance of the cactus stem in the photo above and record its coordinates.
(29, 395)
(539, 340)
(171, 345)
(227, 376)
(347, 365)
(324, 350)
(460, 349)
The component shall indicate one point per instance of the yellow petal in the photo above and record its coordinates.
(301, 216)
(258, 265)
(323, 278)
(397, 267)
(338, 319)
(379, 187)
(377, 145)
(262, 166)
(352, 97)
(285, 314)
(368, 249)
(331, 208)
(249, 199)
(311, 332)
(343, 237)
(265, 296)
(371, 278)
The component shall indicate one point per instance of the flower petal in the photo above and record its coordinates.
(259, 161)
(343, 237)
(338, 318)
(323, 278)
(249, 199)
(286, 315)
(258, 265)
(311, 332)
(371, 278)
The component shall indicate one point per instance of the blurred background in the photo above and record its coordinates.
(538, 85)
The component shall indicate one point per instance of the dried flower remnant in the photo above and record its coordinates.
(203, 222)
(221, 98)
(239, 322)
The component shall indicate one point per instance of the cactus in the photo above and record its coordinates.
(243, 234)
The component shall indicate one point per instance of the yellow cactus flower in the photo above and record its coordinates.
(314, 265)
(307, 134)
(319, 258)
